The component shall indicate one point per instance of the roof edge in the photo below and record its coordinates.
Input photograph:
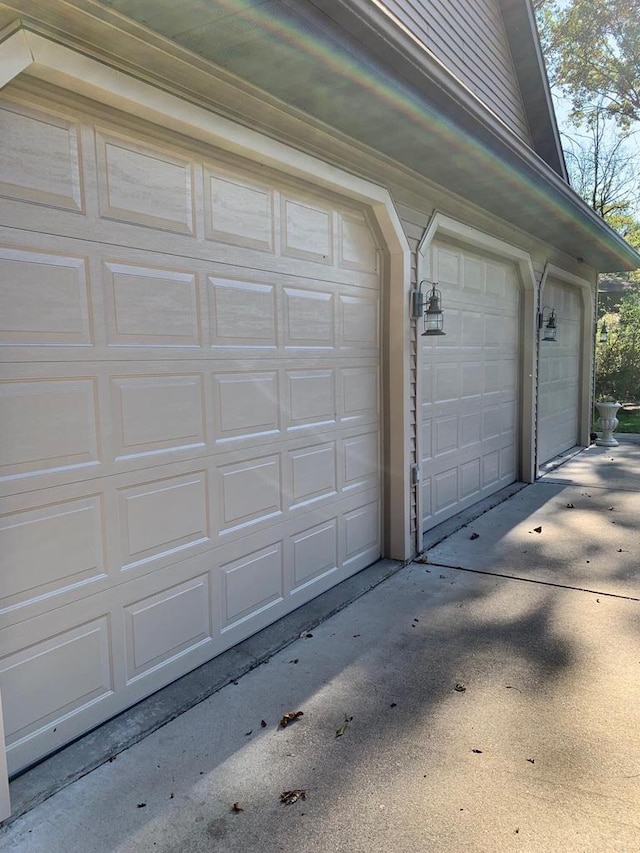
(528, 61)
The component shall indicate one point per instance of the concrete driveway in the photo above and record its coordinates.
(486, 700)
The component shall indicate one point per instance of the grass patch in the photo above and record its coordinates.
(629, 421)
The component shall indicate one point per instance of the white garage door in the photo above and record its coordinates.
(190, 411)
(469, 381)
(559, 374)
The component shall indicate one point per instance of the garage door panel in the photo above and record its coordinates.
(252, 584)
(166, 626)
(59, 676)
(158, 414)
(357, 250)
(41, 157)
(469, 385)
(306, 229)
(359, 461)
(470, 478)
(313, 474)
(47, 426)
(242, 314)
(313, 553)
(147, 306)
(446, 434)
(248, 492)
(246, 405)
(36, 557)
(136, 182)
(193, 415)
(311, 398)
(162, 517)
(58, 285)
(559, 374)
(107, 422)
(238, 210)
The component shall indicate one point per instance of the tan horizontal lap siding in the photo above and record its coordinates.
(469, 38)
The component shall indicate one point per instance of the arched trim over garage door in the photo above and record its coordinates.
(572, 369)
(27, 52)
(484, 246)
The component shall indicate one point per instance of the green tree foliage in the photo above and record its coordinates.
(618, 360)
(592, 50)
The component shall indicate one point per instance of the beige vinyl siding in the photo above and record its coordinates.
(414, 223)
(469, 38)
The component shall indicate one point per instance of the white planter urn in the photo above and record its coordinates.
(607, 423)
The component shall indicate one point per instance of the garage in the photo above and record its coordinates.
(468, 380)
(191, 410)
(559, 372)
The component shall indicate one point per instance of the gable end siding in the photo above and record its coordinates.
(470, 40)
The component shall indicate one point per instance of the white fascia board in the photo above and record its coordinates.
(15, 54)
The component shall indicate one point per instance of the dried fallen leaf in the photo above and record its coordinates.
(610, 509)
(537, 529)
(460, 687)
(236, 807)
(141, 805)
(474, 536)
(289, 717)
(393, 705)
(571, 506)
(291, 797)
(250, 732)
(477, 751)
(342, 729)
(263, 723)
(531, 760)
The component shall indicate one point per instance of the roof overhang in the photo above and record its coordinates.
(522, 32)
(365, 79)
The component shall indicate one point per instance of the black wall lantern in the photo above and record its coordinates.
(604, 333)
(433, 315)
(550, 326)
